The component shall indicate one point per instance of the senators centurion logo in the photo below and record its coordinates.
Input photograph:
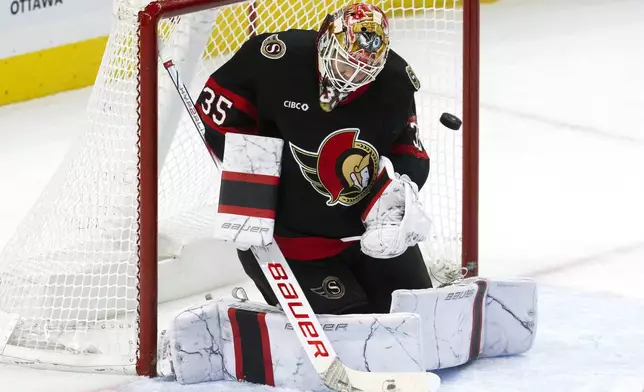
(343, 169)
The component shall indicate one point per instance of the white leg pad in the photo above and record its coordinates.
(256, 343)
(476, 318)
(452, 321)
(191, 349)
(511, 317)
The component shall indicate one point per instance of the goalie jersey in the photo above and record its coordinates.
(330, 160)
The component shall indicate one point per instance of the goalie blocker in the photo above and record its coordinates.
(248, 193)
(426, 330)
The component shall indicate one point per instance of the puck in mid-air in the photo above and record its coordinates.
(451, 121)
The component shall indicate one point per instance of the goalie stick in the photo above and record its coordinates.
(334, 374)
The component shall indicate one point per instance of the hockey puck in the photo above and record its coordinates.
(451, 121)
(208, 297)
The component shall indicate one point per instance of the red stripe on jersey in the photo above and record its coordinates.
(239, 102)
(250, 177)
(375, 197)
(246, 211)
(310, 248)
(407, 149)
(355, 94)
(209, 122)
(239, 359)
(266, 350)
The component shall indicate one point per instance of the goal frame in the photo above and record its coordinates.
(148, 66)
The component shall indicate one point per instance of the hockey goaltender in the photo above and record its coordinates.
(319, 140)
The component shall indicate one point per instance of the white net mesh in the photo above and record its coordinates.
(68, 277)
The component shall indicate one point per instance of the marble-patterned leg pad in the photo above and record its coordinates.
(254, 342)
(249, 184)
(476, 318)
(191, 349)
(452, 320)
(510, 317)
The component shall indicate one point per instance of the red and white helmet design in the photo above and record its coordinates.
(353, 44)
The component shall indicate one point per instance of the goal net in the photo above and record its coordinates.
(78, 280)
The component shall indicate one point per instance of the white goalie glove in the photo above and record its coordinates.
(395, 219)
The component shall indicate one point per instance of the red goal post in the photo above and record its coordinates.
(149, 19)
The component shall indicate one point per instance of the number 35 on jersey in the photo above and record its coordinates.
(217, 102)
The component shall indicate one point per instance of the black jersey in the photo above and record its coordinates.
(330, 159)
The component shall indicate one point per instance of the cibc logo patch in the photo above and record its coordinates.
(273, 47)
(296, 105)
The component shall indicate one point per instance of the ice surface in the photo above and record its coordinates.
(562, 157)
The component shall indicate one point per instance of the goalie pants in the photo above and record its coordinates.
(349, 282)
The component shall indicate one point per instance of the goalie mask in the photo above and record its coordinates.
(352, 44)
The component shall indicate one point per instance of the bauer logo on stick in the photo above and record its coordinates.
(273, 47)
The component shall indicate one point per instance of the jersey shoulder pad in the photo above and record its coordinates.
(399, 75)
